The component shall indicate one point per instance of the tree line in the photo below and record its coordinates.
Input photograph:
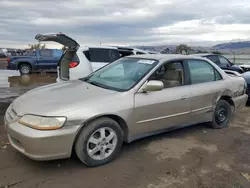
(180, 49)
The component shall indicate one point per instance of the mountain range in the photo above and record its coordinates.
(242, 47)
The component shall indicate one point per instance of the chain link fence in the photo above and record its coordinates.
(238, 58)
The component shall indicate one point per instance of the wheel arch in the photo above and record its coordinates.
(122, 123)
(24, 62)
(229, 100)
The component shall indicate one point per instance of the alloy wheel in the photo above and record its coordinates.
(102, 143)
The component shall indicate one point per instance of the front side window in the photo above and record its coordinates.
(201, 72)
(123, 74)
(139, 53)
(171, 74)
(224, 61)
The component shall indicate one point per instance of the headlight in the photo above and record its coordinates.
(42, 123)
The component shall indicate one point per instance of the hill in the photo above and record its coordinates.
(232, 45)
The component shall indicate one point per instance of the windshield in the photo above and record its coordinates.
(123, 74)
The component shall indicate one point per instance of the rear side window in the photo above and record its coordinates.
(46, 53)
(57, 53)
(201, 72)
(86, 53)
(102, 55)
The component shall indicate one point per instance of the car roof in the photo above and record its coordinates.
(203, 54)
(165, 57)
(130, 48)
(90, 46)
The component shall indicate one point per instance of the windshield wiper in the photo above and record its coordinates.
(98, 84)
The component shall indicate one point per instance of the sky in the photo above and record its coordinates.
(125, 22)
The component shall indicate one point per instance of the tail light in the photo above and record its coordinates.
(8, 60)
(73, 64)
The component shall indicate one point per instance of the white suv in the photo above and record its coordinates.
(79, 61)
(88, 59)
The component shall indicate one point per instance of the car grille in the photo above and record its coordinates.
(11, 115)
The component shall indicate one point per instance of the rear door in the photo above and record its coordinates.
(46, 59)
(206, 83)
(100, 57)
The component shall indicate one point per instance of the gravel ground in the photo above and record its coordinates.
(193, 157)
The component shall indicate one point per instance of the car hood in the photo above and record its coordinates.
(235, 66)
(58, 98)
(245, 65)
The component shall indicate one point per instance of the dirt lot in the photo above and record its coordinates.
(193, 157)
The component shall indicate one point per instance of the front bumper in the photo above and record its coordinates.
(41, 145)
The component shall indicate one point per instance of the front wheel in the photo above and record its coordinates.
(222, 115)
(99, 142)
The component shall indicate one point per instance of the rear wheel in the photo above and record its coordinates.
(222, 115)
(25, 69)
(99, 142)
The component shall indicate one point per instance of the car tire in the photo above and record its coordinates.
(222, 115)
(25, 69)
(92, 148)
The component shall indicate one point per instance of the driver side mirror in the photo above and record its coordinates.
(153, 85)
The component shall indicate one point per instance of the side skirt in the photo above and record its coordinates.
(144, 135)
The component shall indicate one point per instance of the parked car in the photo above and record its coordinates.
(222, 62)
(245, 66)
(131, 98)
(126, 51)
(2, 55)
(245, 75)
(40, 59)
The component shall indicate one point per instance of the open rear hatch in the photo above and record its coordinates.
(69, 58)
(59, 38)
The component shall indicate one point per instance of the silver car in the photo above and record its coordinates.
(131, 98)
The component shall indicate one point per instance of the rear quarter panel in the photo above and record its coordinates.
(32, 61)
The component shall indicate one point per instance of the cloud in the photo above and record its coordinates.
(125, 22)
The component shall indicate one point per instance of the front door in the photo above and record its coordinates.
(165, 109)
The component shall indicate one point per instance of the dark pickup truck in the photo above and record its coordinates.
(41, 59)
